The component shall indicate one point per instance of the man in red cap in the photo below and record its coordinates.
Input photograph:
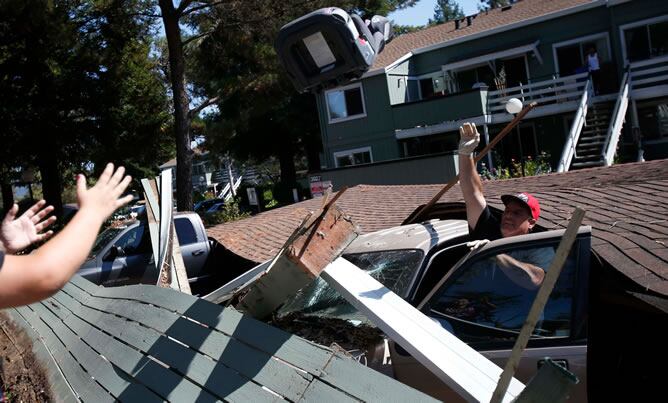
(519, 217)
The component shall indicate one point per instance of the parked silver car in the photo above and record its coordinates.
(475, 301)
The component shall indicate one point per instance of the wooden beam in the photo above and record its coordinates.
(320, 239)
(463, 369)
(539, 303)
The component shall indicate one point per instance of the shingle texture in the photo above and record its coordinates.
(625, 204)
(484, 21)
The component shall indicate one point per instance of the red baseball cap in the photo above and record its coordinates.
(524, 199)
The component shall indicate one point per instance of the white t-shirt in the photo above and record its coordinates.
(592, 62)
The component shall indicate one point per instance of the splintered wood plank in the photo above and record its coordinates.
(463, 369)
(100, 369)
(313, 245)
(86, 388)
(60, 387)
(230, 386)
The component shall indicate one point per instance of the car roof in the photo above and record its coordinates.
(425, 236)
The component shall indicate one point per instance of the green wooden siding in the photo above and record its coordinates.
(144, 343)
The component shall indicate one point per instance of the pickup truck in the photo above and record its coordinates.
(123, 255)
(429, 265)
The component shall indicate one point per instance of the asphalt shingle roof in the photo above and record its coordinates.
(484, 21)
(625, 205)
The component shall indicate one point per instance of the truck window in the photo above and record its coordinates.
(481, 303)
(134, 241)
(185, 231)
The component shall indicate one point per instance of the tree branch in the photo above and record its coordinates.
(205, 5)
(182, 6)
(203, 105)
(198, 36)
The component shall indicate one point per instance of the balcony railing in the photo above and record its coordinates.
(555, 91)
(649, 76)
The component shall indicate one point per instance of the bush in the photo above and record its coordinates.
(230, 212)
(532, 167)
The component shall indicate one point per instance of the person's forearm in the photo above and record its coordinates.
(63, 255)
(524, 274)
(469, 179)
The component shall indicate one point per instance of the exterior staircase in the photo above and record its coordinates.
(589, 151)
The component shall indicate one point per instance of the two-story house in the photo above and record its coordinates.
(398, 123)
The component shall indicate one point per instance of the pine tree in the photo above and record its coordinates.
(446, 10)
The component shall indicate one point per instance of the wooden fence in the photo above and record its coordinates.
(145, 343)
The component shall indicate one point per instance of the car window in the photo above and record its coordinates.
(483, 301)
(394, 269)
(185, 231)
(104, 238)
(134, 241)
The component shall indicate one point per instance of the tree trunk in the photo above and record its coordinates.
(51, 181)
(287, 164)
(184, 155)
(7, 195)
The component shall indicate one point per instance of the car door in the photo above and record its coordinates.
(131, 262)
(484, 307)
(193, 249)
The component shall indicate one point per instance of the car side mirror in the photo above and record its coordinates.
(114, 252)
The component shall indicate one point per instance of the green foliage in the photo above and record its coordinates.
(490, 4)
(446, 10)
(406, 29)
(230, 212)
(538, 166)
(79, 85)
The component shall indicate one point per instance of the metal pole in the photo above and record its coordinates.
(490, 163)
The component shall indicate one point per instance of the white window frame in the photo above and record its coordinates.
(344, 88)
(351, 152)
(579, 40)
(648, 21)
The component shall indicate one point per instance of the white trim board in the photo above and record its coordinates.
(357, 84)
(634, 24)
(579, 40)
(519, 50)
(463, 369)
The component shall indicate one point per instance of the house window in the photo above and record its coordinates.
(345, 103)
(646, 41)
(571, 56)
(353, 157)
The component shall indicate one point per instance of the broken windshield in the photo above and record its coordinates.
(394, 269)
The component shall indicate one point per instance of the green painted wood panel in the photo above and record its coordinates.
(86, 388)
(339, 373)
(60, 388)
(98, 368)
(168, 384)
(319, 391)
(199, 368)
(298, 352)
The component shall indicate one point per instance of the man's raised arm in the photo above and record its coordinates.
(469, 180)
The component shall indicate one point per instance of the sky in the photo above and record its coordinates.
(423, 10)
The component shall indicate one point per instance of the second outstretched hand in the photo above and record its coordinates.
(104, 197)
(18, 233)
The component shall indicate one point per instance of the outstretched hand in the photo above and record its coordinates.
(469, 138)
(18, 233)
(105, 196)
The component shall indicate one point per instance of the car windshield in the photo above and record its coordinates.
(394, 269)
(103, 239)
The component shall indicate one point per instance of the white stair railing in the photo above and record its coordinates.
(226, 193)
(576, 128)
(617, 121)
(646, 74)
